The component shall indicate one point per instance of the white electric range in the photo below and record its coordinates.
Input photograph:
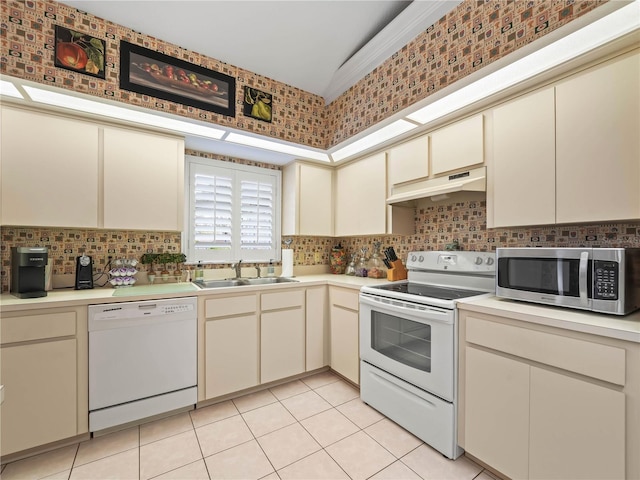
(408, 342)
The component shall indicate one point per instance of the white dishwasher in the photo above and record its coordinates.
(142, 360)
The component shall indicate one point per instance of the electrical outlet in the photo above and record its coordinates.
(317, 257)
(300, 258)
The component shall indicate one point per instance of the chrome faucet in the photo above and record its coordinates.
(238, 268)
(258, 270)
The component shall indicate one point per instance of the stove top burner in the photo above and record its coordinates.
(432, 291)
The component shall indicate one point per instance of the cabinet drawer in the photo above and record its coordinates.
(36, 327)
(285, 299)
(586, 358)
(345, 298)
(226, 306)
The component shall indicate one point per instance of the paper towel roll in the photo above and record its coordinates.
(287, 262)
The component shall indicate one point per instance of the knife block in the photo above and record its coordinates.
(397, 271)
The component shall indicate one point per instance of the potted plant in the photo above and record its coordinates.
(164, 259)
(178, 258)
(150, 259)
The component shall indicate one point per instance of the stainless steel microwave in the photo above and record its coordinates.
(605, 280)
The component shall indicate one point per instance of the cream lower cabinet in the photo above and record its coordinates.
(44, 366)
(577, 428)
(282, 334)
(497, 412)
(232, 344)
(541, 405)
(345, 339)
(317, 334)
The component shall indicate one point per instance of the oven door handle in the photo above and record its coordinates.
(421, 313)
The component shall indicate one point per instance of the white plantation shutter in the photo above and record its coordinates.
(213, 216)
(257, 212)
(233, 212)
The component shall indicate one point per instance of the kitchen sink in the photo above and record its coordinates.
(239, 282)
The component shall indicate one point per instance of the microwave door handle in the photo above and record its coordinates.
(582, 277)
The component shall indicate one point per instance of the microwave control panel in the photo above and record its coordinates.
(605, 280)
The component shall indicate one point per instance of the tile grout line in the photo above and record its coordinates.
(195, 432)
(255, 439)
(322, 447)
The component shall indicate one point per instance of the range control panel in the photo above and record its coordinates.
(605, 285)
(454, 261)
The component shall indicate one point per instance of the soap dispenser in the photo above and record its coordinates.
(271, 272)
(199, 272)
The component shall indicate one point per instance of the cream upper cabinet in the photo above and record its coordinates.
(522, 174)
(408, 161)
(458, 145)
(49, 170)
(598, 152)
(82, 174)
(307, 197)
(143, 180)
(361, 195)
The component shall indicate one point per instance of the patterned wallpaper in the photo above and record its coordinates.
(436, 226)
(474, 34)
(27, 34)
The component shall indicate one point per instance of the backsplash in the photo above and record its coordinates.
(436, 226)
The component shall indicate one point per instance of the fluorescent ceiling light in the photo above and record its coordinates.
(277, 147)
(121, 113)
(8, 89)
(376, 138)
(619, 23)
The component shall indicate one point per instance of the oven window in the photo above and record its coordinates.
(403, 340)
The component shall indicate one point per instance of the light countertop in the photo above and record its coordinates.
(70, 297)
(613, 326)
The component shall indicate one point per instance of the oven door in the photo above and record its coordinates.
(411, 341)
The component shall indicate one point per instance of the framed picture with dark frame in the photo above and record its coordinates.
(257, 104)
(79, 52)
(158, 75)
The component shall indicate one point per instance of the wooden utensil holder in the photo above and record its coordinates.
(397, 271)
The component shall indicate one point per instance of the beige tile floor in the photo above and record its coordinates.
(315, 428)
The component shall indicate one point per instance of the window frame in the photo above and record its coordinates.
(237, 172)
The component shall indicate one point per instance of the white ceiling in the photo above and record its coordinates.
(303, 43)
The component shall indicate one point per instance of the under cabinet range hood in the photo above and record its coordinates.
(474, 180)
